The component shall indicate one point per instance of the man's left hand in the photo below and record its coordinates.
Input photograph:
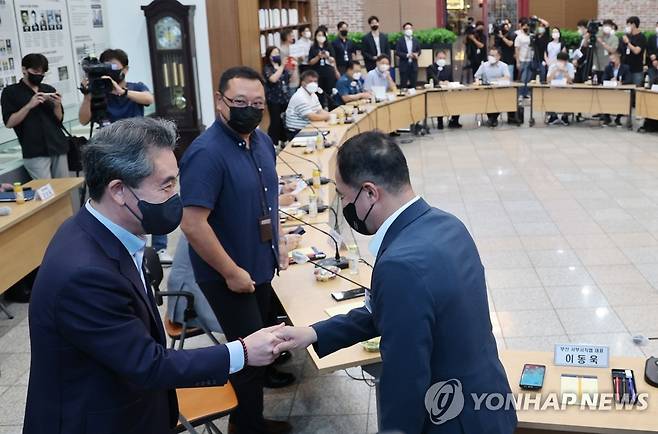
(294, 337)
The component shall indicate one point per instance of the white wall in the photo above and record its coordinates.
(127, 27)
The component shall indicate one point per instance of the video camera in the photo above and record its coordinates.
(533, 22)
(498, 27)
(593, 27)
(99, 87)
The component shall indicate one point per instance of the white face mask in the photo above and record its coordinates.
(556, 35)
(441, 62)
(607, 30)
(307, 34)
(321, 39)
(312, 87)
(383, 67)
(627, 29)
(581, 32)
(356, 76)
(541, 30)
(409, 32)
(492, 60)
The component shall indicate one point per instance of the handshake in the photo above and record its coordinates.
(265, 345)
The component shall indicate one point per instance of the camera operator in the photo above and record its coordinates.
(124, 100)
(504, 41)
(606, 43)
(34, 110)
(632, 49)
(476, 45)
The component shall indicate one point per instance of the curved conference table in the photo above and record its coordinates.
(307, 301)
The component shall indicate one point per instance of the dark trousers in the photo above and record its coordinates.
(276, 131)
(408, 77)
(240, 315)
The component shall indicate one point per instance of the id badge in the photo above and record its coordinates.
(265, 226)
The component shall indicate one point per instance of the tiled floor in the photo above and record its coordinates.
(566, 220)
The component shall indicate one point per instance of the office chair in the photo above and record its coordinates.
(175, 331)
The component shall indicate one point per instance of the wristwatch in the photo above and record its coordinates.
(125, 92)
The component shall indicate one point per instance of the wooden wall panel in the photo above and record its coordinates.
(564, 13)
(393, 13)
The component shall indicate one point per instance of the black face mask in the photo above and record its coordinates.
(35, 79)
(374, 28)
(245, 119)
(349, 212)
(159, 218)
(343, 33)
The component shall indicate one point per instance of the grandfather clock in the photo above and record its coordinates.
(173, 65)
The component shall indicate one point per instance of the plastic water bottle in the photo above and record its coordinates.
(316, 178)
(312, 205)
(353, 258)
(647, 84)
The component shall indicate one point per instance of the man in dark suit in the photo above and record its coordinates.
(407, 51)
(375, 43)
(652, 46)
(428, 301)
(441, 73)
(99, 358)
(622, 74)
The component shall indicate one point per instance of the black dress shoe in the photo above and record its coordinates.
(275, 379)
(283, 358)
(454, 125)
(277, 427)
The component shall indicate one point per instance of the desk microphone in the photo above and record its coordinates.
(296, 173)
(338, 260)
(301, 258)
(323, 180)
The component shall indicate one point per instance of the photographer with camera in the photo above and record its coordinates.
(476, 45)
(34, 110)
(504, 41)
(606, 43)
(119, 99)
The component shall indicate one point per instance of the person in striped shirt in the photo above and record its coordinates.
(304, 106)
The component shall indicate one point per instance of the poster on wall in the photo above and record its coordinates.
(89, 33)
(10, 56)
(44, 28)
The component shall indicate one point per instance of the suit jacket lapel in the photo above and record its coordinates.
(407, 217)
(115, 250)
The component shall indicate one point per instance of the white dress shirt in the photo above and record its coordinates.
(375, 36)
(410, 44)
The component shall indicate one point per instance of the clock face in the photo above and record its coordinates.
(168, 34)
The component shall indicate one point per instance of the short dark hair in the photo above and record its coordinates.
(285, 33)
(523, 20)
(238, 72)
(268, 52)
(304, 27)
(341, 24)
(309, 73)
(35, 61)
(114, 54)
(608, 22)
(582, 23)
(372, 18)
(373, 156)
(382, 57)
(562, 56)
(407, 24)
(351, 64)
(479, 23)
(121, 151)
(633, 20)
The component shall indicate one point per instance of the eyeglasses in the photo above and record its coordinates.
(242, 103)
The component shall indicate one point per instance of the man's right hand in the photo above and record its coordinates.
(37, 99)
(240, 281)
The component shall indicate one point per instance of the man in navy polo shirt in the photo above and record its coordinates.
(229, 188)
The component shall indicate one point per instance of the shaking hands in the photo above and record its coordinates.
(265, 345)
